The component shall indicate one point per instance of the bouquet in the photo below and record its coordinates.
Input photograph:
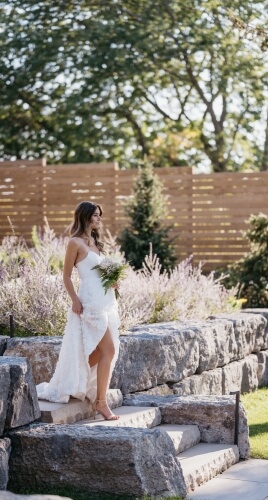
(111, 272)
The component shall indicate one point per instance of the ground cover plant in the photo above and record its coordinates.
(256, 407)
(31, 288)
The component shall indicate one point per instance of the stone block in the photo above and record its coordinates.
(5, 448)
(240, 375)
(75, 410)
(159, 390)
(65, 413)
(153, 355)
(217, 343)
(249, 330)
(207, 383)
(232, 377)
(22, 407)
(100, 459)
(249, 373)
(129, 417)
(114, 398)
(4, 390)
(3, 344)
(262, 312)
(214, 415)
(205, 461)
(183, 436)
(263, 368)
(42, 352)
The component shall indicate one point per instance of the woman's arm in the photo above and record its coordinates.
(69, 262)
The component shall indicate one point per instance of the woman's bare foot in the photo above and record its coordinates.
(100, 406)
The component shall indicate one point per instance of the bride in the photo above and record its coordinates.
(91, 340)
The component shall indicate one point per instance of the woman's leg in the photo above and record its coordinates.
(106, 352)
(94, 358)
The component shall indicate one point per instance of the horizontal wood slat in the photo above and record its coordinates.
(207, 213)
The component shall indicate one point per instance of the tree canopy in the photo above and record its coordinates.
(119, 80)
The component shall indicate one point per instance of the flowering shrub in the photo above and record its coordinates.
(185, 293)
(31, 288)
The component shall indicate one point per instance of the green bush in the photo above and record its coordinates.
(251, 272)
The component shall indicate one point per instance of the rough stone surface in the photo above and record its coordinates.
(4, 390)
(153, 355)
(240, 375)
(206, 383)
(249, 373)
(214, 415)
(181, 350)
(263, 368)
(7, 495)
(114, 398)
(22, 407)
(263, 312)
(250, 332)
(159, 390)
(217, 343)
(5, 448)
(182, 436)
(75, 410)
(65, 413)
(129, 417)
(42, 352)
(114, 460)
(204, 461)
(3, 344)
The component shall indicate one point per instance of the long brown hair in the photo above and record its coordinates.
(82, 217)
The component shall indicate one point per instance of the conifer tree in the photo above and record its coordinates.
(147, 210)
(251, 272)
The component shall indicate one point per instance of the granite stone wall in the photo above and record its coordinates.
(224, 353)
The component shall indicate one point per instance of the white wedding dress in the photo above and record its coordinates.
(73, 376)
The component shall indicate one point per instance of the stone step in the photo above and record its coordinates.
(75, 410)
(182, 436)
(204, 461)
(130, 416)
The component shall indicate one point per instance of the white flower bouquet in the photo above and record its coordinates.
(111, 272)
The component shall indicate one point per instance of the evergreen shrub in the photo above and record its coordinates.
(147, 211)
(251, 272)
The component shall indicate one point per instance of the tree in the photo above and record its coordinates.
(147, 209)
(97, 80)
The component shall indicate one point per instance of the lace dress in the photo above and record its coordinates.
(73, 377)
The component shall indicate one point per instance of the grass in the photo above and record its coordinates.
(256, 406)
(75, 495)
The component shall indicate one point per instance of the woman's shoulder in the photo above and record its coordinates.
(75, 242)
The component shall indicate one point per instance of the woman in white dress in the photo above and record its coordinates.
(91, 340)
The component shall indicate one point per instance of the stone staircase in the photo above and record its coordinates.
(198, 462)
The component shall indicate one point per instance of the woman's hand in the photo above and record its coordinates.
(116, 286)
(77, 307)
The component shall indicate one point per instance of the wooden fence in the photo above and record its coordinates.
(207, 212)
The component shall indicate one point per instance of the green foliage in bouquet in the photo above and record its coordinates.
(147, 210)
(251, 272)
(111, 272)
